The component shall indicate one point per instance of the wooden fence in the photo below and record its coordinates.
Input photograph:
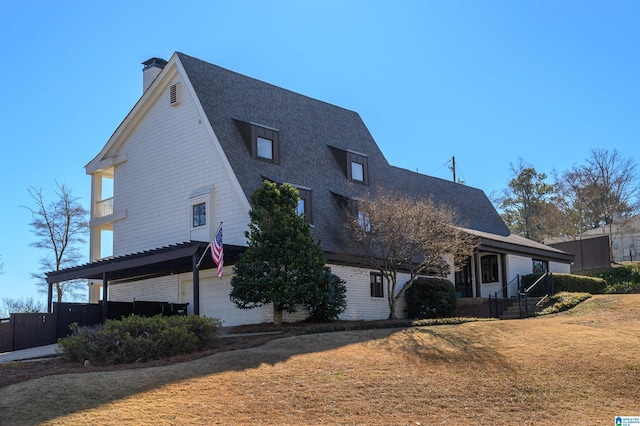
(22, 331)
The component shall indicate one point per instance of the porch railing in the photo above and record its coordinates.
(104, 207)
(500, 300)
(543, 285)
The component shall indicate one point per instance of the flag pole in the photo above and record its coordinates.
(208, 246)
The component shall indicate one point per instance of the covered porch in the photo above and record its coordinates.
(173, 259)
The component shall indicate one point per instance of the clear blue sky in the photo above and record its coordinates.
(488, 82)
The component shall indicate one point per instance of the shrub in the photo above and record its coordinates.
(430, 298)
(626, 273)
(564, 301)
(331, 301)
(623, 278)
(138, 339)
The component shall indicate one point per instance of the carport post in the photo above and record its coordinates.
(105, 285)
(49, 297)
(196, 284)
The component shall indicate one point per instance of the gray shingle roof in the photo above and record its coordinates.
(308, 128)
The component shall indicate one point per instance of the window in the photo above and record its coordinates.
(489, 267)
(357, 171)
(357, 167)
(377, 289)
(364, 221)
(540, 266)
(304, 204)
(265, 148)
(263, 142)
(199, 214)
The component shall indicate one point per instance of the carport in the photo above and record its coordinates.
(173, 259)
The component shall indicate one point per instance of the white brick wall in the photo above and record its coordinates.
(214, 299)
(360, 304)
(154, 189)
(161, 289)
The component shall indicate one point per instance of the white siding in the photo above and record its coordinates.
(559, 268)
(487, 289)
(517, 265)
(170, 154)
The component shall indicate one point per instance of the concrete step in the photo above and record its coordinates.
(513, 311)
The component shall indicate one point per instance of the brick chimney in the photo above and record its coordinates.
(152, 68)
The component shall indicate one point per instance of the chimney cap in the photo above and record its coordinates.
(154, 62)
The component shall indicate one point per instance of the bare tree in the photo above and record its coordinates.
(604, 193)
(60, 227)
(14, 306)
(396, 234)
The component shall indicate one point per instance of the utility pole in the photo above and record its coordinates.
(453, 168)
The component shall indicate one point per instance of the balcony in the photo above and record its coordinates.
(104, 208)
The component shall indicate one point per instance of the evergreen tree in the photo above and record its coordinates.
(282, 265)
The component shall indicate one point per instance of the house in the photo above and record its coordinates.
(191, 152)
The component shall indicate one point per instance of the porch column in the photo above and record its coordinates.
(105, 285)
(476, 268)
(196, 283)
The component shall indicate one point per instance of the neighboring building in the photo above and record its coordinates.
(194, 148)
(624, 236)
(589, 253)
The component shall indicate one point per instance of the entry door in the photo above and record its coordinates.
(464, 281)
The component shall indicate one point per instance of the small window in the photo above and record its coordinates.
(357, 167)
(489, 267)
(540, 266)
(265, 148)
(377, 289)
(199, 214)
(357, 171)
(304, 204)
(265, 143)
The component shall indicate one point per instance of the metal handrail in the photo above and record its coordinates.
(528, 289)
(501, 291)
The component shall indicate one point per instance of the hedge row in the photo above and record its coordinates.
(569, 283)
(138, 339)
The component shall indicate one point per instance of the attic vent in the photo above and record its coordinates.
(175, 94)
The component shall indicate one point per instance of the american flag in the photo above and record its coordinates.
(216, 251)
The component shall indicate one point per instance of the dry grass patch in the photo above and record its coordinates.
(578, 367)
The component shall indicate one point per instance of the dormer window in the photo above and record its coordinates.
(354, 164)
(263, 142)
(357, 167)
(264, 148)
